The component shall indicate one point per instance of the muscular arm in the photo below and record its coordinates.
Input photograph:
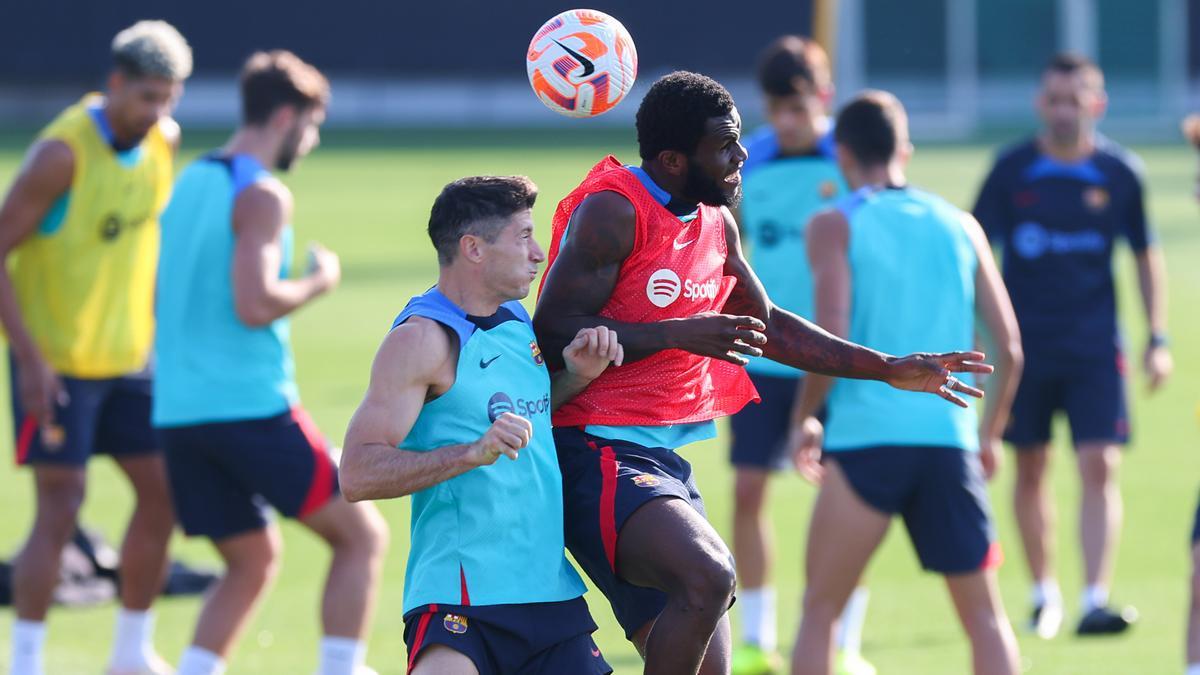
(995, 312)
(599, 238)
(45, 176)
(260, 296)
(792, 340)
(827, 241)
(373, 466)
(582, 279)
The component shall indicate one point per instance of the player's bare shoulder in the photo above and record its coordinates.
(263, 203)
(604, 225)
(419, 351)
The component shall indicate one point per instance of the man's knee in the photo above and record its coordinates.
(707, 586)
(749, 490)
(1031, 468)
(60, 495)
(1098, 465)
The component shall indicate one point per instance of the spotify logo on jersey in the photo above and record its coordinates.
(499, 404)
(663, 287)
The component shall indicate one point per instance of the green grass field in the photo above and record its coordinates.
(367, 196)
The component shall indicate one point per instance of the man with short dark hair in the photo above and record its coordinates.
(488, 589)
(78, 249)
(1056, 204)
(878, 257)
(225, 397)
(652, 252)
(790, 174)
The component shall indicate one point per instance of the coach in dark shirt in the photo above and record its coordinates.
(1056, 205)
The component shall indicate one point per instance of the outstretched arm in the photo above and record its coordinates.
(373, 466)
(581, 281)
(796, 342)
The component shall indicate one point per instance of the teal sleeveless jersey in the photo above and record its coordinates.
(912, 279)
(209, 366)
(492, 535)
(780, 194)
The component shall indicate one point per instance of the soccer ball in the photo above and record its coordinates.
(581, 63)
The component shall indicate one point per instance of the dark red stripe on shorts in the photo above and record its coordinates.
(608, 502)
(416, 648)
(25, 438)
(321, 487)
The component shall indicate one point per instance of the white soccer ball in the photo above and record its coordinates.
(581, 63)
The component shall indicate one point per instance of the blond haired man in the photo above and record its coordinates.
(79, 239)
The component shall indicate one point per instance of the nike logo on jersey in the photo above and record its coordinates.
(588, 66)
(485, 364)
(689, 242)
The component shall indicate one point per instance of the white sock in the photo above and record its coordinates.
(200, 661)
(758, 617)
(1046, 592)
(1094, 596)
(28, 637)
(132, 642)
(1193, 669)
(854, 615)
(342, 656)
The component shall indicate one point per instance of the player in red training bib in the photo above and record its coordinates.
(652, 252)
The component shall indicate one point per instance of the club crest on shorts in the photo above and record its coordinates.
(455, 624)
(1095, 198)
(645, 480)
(536, 352)
(827, 189)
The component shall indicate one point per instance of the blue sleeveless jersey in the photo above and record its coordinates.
(912, 271)
(211, 367)
(781, 193)
(493, 535)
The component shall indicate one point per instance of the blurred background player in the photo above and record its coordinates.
(79, 236)
(226, 400)
(882, 255)
(1191, 131)
(488, 588)
(790, 174)
(1056, 205)
(652, 251)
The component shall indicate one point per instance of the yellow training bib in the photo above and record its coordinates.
(85, 279)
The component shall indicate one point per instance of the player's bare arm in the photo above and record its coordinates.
(592, 350)
(801, 344)
(1152, 282)
(995, 313)
(373, 465)
(827, 244)
(600, 238)
(260, 296)
(45, 176)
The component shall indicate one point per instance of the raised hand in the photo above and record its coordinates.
(507, 436)
(933, 374)
(721, 336)
(592, 350)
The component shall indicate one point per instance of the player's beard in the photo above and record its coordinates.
(289, 150)
(701, 187)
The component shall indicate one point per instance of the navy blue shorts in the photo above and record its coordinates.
(1091, 392)
(760, 431)
(604, 482)
(101, 417)
(539, 638)
(224, 475)
(941, 495)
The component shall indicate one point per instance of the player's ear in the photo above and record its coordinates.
(283, 117)
(471, 248)
(673, 161)
(1099, 104)
(116, 80)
